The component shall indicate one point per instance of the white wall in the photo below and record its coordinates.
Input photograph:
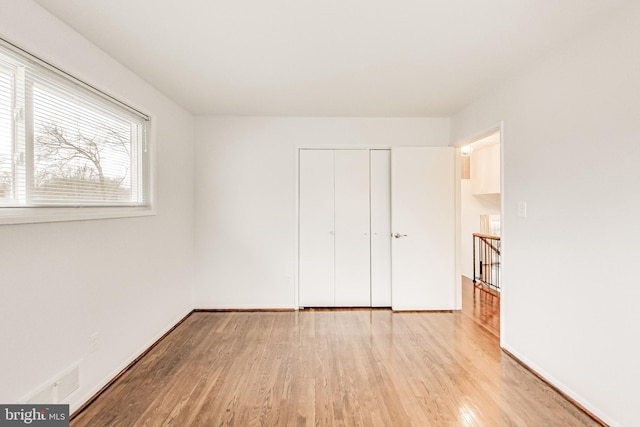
(246, 170)
(128, 279)
(571, 133)
(572, 152)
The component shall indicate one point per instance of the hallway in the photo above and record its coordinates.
(483, 307)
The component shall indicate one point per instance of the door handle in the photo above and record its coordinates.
(398, 235)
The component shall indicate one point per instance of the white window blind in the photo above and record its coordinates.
(63, 143)
(6, 134)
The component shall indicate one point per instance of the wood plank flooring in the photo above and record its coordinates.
(481, 306)
(329, 368)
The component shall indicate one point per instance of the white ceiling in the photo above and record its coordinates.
(327, 57)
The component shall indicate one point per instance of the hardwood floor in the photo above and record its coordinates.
(482, 307)
(326, 368)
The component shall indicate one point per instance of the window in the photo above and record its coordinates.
(65, 144)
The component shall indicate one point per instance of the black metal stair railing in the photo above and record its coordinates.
(486, 261)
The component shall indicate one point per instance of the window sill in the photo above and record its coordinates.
(38, 215)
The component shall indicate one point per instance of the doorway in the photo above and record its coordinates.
(480, 229)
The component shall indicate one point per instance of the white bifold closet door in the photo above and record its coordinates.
(316, 234)
(351, 202)
(334, 249)
(352, 229)
(380, 186)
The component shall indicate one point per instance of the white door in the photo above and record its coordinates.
(380, 228)
(352, 236)
(316, 234)
(423, 225)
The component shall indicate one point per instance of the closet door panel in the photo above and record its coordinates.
(316, 234)
(352, 221)
(380, 228)
(423, 219)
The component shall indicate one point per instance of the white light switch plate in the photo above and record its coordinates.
(522, 209)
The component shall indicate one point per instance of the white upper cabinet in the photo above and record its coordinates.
(485, 170)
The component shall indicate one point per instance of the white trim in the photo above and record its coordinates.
(562, 387)
(16, 214)
(346, 147)
(34, 215)
(503, 289)
(458, 144)
(296, 281)
(458, 227)
(75, 404)
(480, 135)
(38, 215)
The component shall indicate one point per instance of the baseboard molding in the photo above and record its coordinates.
(423, 311)
(242, 310)
(508, 352)
(345, 309)
(126, 368)
(557, 389)
(156, 342)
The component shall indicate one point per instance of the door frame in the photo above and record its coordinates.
(499, 127)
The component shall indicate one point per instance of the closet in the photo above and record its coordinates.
(347, 256)
(344, 234)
